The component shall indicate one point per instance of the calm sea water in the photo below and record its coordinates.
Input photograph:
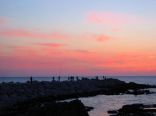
(103, 103)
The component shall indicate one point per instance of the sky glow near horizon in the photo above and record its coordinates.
(77, 37)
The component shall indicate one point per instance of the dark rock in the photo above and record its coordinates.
(132, 108)
(73, 108)
(139, 91)
(11, 93)
(88, 108)
(135, 110)
(112, 112)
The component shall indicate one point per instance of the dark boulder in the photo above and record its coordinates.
(73, 108)
(134, 110)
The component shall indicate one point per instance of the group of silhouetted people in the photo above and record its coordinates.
(71, 78)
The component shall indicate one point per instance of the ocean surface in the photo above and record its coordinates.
(103, 103)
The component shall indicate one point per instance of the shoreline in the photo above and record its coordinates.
(17, 92)
(32, 94)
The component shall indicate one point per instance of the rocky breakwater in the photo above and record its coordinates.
(11, 93)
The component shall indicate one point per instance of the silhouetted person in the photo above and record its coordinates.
(72, 78)
(53, 78)
(59, 78)
(77, 78)
(31, 80)
(104, 77)
(69, 78)
(97, 78)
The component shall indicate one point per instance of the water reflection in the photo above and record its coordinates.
(103, 103)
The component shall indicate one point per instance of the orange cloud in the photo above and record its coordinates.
(108, 18)
(32, 59)
(56, 45)
(26, 33)
(140, 62)
(102, 37)
(97, 37)
(19, 33)
(81, 51)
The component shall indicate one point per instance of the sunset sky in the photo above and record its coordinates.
(77, 37)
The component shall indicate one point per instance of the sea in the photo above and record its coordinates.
(104, 103)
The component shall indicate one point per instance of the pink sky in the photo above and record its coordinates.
(93, 42)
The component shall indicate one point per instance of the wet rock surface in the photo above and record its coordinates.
(135, 110)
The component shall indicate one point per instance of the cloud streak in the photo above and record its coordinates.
(110, 18)
(28, 33)
(97, 37)
(53, 45)
(23, 33)
(74, 61)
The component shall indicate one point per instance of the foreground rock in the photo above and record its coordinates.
(38, 108)
(135, 110)
(11, 93)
